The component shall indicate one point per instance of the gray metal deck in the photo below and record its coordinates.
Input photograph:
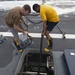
(9, 56)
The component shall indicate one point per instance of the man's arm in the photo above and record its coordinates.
(19, 29)
(22, 19)
(44, 27)
(44, 20)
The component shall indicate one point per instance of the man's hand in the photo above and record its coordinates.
(25, 32)
(42, 34)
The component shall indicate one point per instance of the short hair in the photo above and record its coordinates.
(35, 6)
(27, 7)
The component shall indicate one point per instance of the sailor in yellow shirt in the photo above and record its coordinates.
(50, 19)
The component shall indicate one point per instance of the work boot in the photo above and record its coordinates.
(47, 49)
(16, 42)
(49, 46)
(18, 46)
(19, 49)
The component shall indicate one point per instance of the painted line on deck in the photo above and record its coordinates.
(38, 35)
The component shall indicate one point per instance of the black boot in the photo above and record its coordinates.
(17, 46)
(50, 44)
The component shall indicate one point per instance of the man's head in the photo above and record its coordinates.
(36, 7)
(26, 9)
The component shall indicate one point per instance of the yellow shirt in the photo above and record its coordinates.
(13, 17)
(47, 13)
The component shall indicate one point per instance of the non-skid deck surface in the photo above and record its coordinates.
(70, 60)
(9, 57)
(60, 67)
